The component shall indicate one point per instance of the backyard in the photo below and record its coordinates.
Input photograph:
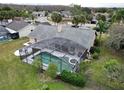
(15, 74)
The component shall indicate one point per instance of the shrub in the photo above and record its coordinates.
(113, 68)
(52, 70)
(45, 87)
(95, 56)
(94, 49)
(97, 50)
(73, 78)
(37, 63)
(97, 42)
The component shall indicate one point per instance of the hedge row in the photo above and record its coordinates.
(73, 78)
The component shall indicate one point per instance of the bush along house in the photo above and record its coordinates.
(64, 46)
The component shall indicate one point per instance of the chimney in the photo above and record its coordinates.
(59, 28)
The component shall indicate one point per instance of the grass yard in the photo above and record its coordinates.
(59, 85)
(13, 73)
(17, 75)
(96, 78)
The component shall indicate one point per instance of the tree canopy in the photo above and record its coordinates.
(56, 17)
(82, 19)
(101, 17)
(76, 20)
(116, 39)
(118, 16)
(76, 10)
(8, 13)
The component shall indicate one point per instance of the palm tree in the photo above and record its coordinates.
(102, 28)
(118, 16)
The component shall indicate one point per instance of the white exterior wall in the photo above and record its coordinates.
(26, 30)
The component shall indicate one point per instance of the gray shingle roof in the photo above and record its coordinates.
(66, 13)
(17, 25)
(84, 37)
(3, 31)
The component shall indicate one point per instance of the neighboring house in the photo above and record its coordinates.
(18, 18)
(22, 27)
(66, 14)
(5, 34)
(39, 14)
(41, 19)
(64, 46)
(5, 22)
(94, 20)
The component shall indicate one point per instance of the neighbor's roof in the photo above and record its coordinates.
(45, 23)
(3, 31)
(84, 37)
(17, 25)
(68, 13)
(39, 12)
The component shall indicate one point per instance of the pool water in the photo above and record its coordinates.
(61, 63)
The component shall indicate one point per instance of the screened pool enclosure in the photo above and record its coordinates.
(64, 53)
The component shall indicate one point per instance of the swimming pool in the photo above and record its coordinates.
(61, 63)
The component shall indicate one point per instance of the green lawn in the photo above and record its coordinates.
(15, 74)
(59, 85)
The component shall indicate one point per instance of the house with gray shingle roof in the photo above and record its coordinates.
(84, 37)
(39, 13)
(5, 34)
(22, 27)
(64, 46)
(66, 14)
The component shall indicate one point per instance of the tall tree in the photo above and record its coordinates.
(118, 16)
(89, 17)
(76, 10)
(82, 19)
(101, 17)
(102, 28)
(56, 17)
(76, 20)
